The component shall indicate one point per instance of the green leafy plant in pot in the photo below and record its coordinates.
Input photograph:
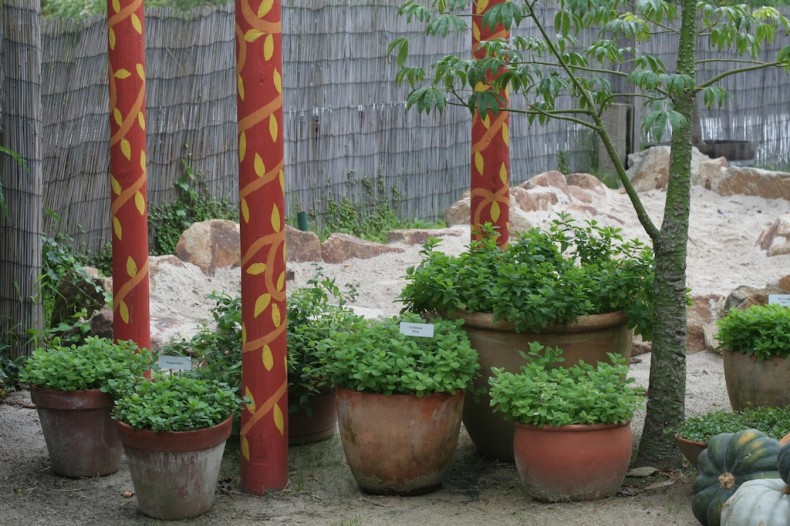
(579, 287)
(72, 388)
(755, 343)
(572, 437)
(174, 429)
(399, 387)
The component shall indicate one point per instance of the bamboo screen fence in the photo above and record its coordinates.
(345, 118)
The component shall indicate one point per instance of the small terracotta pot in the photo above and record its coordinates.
(82, 439)
(398, 444)
(319, 425)
(756, 384)
(498, 344)
(576, 462)
(175, 473)
(690, 449)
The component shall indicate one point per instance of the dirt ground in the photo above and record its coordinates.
(321, 491)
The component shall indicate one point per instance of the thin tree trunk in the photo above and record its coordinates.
(22, 179)
(666, 400)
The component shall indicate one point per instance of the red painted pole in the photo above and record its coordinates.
(126, 51)
(264, 424)
(490, 185)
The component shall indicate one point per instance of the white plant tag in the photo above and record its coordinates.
(779, 299)
(423, 330)
(175, 363)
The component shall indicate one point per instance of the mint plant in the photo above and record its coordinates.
(96, 364)
(544, 394)
(773, 421)
(176, 403)
(377, 358)
(541, 278)
(762, 331)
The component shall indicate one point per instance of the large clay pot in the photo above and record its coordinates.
(319, 425)
(498, 345)
(398, 444)
(576, 462)
(175, 473)
(756, 384)
(82, 439)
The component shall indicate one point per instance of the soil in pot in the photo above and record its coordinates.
(82, 439)
(756, 384)
(398, 444)
(498, 345)
(175, 474)
(576, 462)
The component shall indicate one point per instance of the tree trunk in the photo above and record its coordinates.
(22, 179)
(666, 399)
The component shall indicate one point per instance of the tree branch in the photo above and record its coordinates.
(735, 71)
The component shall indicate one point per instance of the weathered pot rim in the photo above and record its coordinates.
(753, 358)
(574, 428)
(585, 323)
(352, 392)
(679, 438)
(55, 399)
(175, 441)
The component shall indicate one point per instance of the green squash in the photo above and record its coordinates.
(783, 464)
(763, 502)
(730, 460)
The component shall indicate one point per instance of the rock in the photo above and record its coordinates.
(583, 209)
(210, 245)
(639, 346)
(746, 296)
(168, 329)
(458, 213)
(519, 220)
(587, 182)
(155, 263)
(532, 200)
(701, 318)
(79, 290)
(301, 246)
(707, 172)
(551, 178)
(101, 322)
(580, 194)
(776, 238)
(649, 169)
(340, 247)
(418, 236)
(753, 181)
(641, 472)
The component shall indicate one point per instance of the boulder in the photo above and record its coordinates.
(101, 322)
(586, 182)
(519, 220)
(210, 245)
(418, 236)
(753, 181)
(649, 169)
(580, 194)
(701, 318)
(340, 247)
(776, 238)
(532, 200)
(301, 246)
(458, 213)
(551, 178)
(746, 296)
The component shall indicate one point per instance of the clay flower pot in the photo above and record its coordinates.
(175, 473)
(575, 462)
(319, 425)
(498, 345)
(690, 449)
(756, 384)
(398, 444)
(82, 439)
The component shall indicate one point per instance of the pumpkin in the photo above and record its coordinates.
(730, 460)
(764, 502)
(783, 463)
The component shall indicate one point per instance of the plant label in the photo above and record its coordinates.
(175, 363)
(779, 299)
(423, 330)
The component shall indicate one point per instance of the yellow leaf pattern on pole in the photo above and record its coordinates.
(249, 400)
(268, 48)
(281, 282)
(273, 127)
(126, 148)
(240, 86)
(278, 81)
(276, 221)
(116, 114)
(116, 186)
(242, 146)
(131, 267)
(503, 174)
(252, 35)
(264, 8)
(495, 211)
(122, 74)
(116, 5)
(260, 168)
(139, 202)
(141, 120)
(245, 211)
(481, 6)
(140, 71)
(123, 310)
(268, 359)
(245, 448)
(276, 318)
(136, 24)
(256, 269)
(506, 134)
(261, 303)
(116, 228)
(279, 421)
(479, 163)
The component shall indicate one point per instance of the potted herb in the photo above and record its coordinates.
(574, 286)
(693, 436)
(572, 436)
(756, 347)
(174, 429)
(399, 387)
(71, 387)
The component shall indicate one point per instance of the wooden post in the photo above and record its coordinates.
(21, 173)
(264, 424)
(490, 184)
(128, 187)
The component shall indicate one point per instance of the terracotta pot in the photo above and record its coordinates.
(398, 444)
(82, 439)
(175, 473)
(690, 449)
(576, 462)
(756, 384)
(498, 345)
(319, 425)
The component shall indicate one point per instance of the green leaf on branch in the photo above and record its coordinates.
(426, 99)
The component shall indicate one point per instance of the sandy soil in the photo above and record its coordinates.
(722, 256)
